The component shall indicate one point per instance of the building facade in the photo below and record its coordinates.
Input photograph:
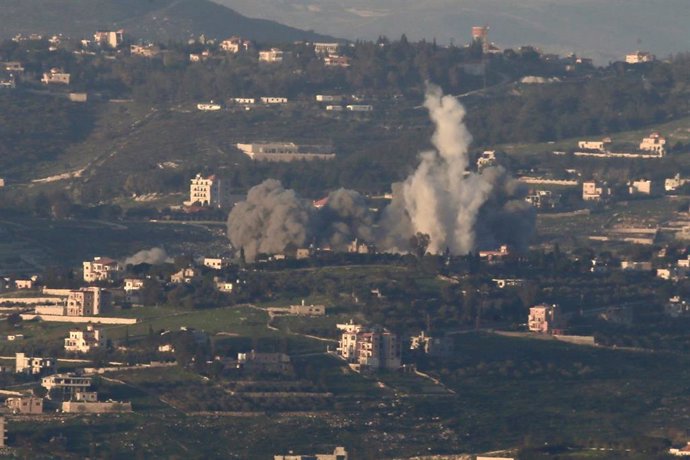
(88, 301)
(545, 319)
(84, 341)
(101, 269)
(370, 348)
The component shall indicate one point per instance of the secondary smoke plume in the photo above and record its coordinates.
(153, 256)
(460, 210)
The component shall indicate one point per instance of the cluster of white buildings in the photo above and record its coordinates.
(652, 146)
(285, 151)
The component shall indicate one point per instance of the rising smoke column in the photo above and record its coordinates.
(271, 219)
(445, 200)
(459, 209)
(153, 256)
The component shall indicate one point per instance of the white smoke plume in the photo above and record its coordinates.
(459, 209)
(153, 256)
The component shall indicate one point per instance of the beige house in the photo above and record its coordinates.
(87, 402)
(371, 348)
(545, 319)
(55, 76)
(216, 263)
(24, 284)
(101, 269)
(639, 57)
(84, 341)
(25, 405)
(432, 346)
(109, 38)
(32, 365)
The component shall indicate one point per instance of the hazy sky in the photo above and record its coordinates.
(604, 29)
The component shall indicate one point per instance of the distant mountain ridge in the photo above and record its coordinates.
(603, 29)
(159, 20)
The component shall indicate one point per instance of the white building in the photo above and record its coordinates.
(133, 284)
(83, 341)
(285, 151)
(101, 269)
(207, 191)
(244, 100)
(109, 38)
(329, 98)
(655, 142)
(639, 57)
(595, 191)
(33, 365)
(274, 55)
(273, 100)
(70, 382)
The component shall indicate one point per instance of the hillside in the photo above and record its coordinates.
(603, 30)
(159, 20)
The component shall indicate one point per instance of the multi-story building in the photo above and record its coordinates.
(185, 275)
(133, 284)
(641, 187)
(33, 365)
(371, 348)
(544, 199)
(68, 383)
(109, 38)
(655, 142)
(486, 159)
(545, 319)
(276, 363)
(595, 191)
(432, 346)
(84, 341)
(274, 55)
(480, 35)
(207, 191)
(30, 405)
(88, 301)
(101, 269)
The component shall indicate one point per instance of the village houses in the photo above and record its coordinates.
(84, 341)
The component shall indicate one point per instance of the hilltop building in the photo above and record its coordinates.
(87, 402)
(545, 319)
(597, 146)
(216, 263)
(370, 348)
(186, 275)
(308, 310)
(326, 48)
(84, 341)
(68, 383)
(285, 151)
(274, 363)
